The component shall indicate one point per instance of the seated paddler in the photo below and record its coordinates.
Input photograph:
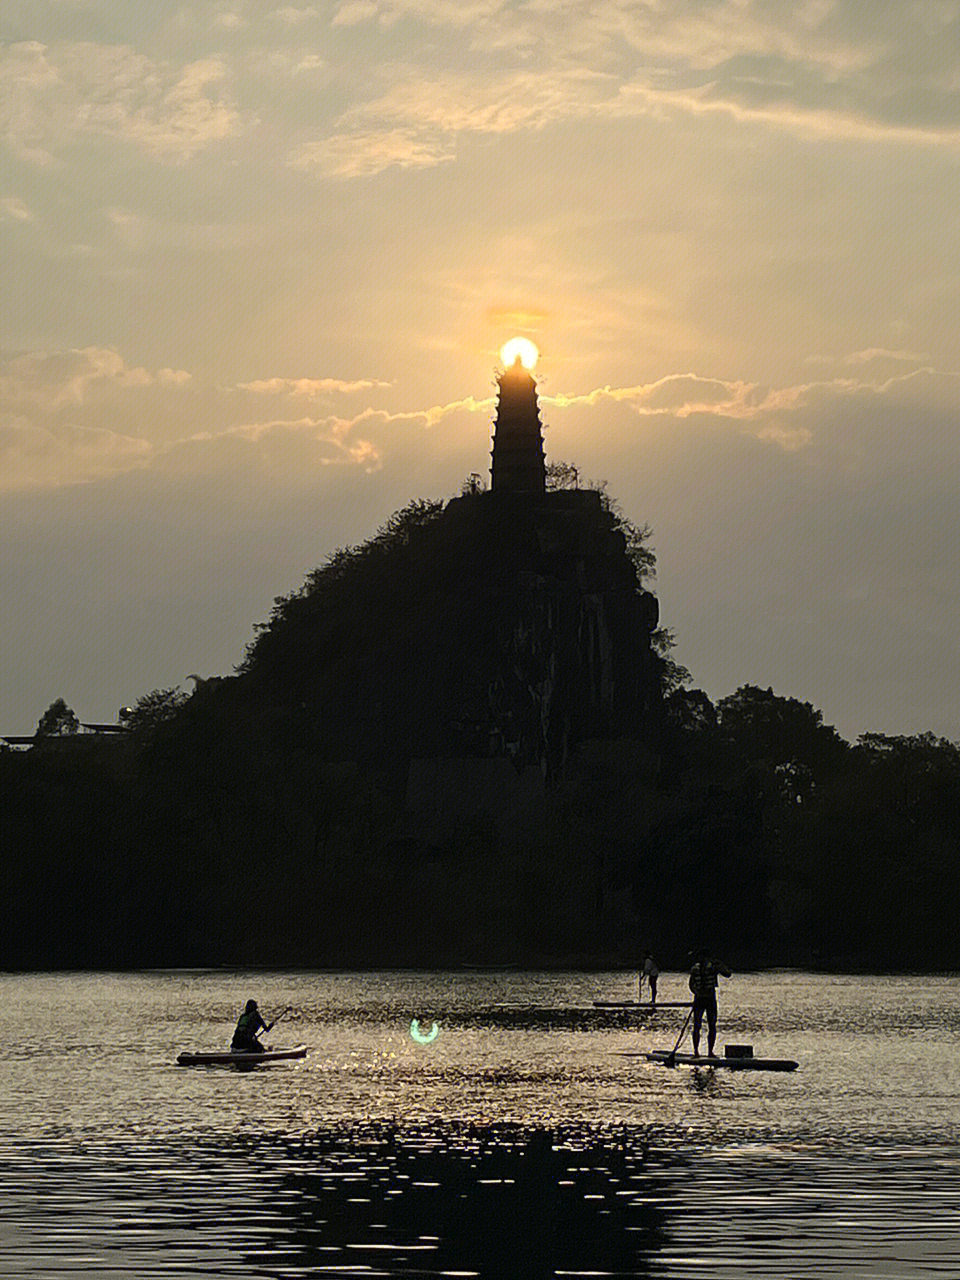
(249, 1025)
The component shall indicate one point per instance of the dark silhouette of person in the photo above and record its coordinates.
(249, 1024)
(703, 983)
(651, 973)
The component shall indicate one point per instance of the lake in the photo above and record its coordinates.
(520, 1142)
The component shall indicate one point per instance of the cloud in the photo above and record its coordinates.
(354, 12)
(680, 394)
(174, 377)
(13, 207)
(821, 70)
(51, 96)
(364, 439)
(142, 234)
(91, 406)
(308, 386)
(289, 447)
(424, 417)
(495, 102)
(57, 411)
(415, 123)
(789, 416)
(54, 379)
(73, 416)
(808, 119)
(34, 455)
(818, 70)
(293, 16)
(872, 354)
(788, 438)
(310, 62)
(446, 13)
(357, 155)
(516, 318)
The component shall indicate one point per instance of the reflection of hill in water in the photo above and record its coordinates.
(490, 1201)
(493, 1202)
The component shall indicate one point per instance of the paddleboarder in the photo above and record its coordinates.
(703, 984)
(651, 973)
(249, 1025)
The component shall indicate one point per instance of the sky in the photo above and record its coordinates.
(258, 263)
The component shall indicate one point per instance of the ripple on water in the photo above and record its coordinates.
(116, 1163)
(489, 1201)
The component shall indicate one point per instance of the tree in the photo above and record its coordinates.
(57, 721)
(674, 676)
(763, 727)
(689, 709)
(561, 475)
(155, 709)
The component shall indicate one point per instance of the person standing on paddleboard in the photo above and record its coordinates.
(651, 973)
(249, 1025)
(703, 984)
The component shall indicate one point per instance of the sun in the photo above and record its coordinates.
(521, 347)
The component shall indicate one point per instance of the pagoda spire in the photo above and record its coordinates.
(517, 464)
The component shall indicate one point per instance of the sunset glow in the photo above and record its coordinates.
(521, 347)
(276, 250)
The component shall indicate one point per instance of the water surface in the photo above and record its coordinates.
(522, 1141)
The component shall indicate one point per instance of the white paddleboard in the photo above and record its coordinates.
(240, 1059)
(641, 1004)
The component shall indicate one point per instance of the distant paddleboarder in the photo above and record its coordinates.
(249, 1025)
(703, 984)
(649, 973)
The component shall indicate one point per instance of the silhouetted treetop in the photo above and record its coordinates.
(346, 597)
(57, 721)
(392, 575)
(154, 709)
(763, 726)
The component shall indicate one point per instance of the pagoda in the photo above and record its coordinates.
(475, 658)
(517, 464)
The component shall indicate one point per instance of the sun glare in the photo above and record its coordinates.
(521, 347)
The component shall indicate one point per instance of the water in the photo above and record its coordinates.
(378, 1156)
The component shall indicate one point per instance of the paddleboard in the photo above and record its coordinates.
(735, 1064)
(240, 1059)
(641, 1004)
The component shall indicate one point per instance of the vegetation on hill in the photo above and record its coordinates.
(239, 825)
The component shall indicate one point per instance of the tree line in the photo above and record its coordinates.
(228, 828)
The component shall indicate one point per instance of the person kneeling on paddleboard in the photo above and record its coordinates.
(703, 984)
(249, 1024)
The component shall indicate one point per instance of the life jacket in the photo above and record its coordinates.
(247, 1026)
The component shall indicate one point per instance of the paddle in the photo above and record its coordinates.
(671, 1059)
(282, 1014)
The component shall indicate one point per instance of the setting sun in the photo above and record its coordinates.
(521, 347)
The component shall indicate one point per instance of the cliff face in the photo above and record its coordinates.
(568, 653)
(504, 625)
(567, 630)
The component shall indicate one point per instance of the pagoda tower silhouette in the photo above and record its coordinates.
(517, 464)
(477, 653)
(547, 637)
